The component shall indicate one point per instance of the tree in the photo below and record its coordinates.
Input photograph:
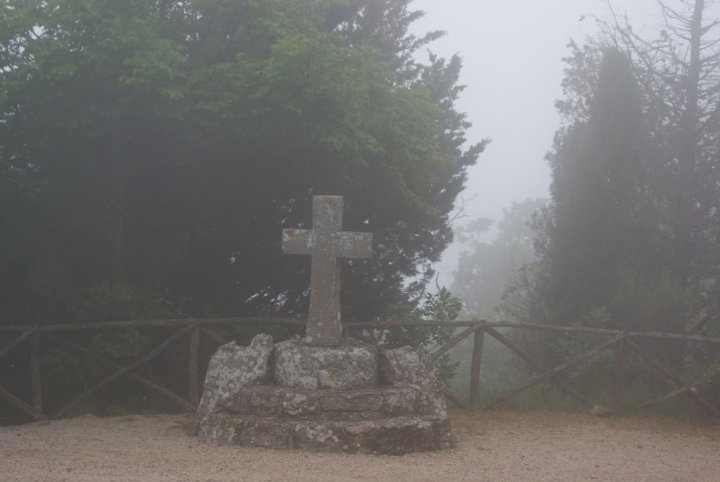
(323, 113)
(630, 239)
(598, 221)
(679, 72)
(191, 133)
(487, 268)
(88, 90)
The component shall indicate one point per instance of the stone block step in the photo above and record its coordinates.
(346, 367)
(360, 404)
(394, 435)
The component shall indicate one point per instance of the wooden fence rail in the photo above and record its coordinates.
(197, 329)
(623, 341)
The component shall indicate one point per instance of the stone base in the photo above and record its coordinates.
(363, 404)
(347, 367)
(350, 398)
(393, 436)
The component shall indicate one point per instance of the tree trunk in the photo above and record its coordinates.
(683, 249)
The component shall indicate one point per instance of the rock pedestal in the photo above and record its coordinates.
(349, 398)
(298, 365)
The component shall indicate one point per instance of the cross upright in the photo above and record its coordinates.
(326, 242)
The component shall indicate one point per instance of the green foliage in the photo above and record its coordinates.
(653, 178)
(661, 303)
(191, 133)
(66, 370)
(597, 213)
(127, 345)
(152, 151)
(678, 63)
(487, 268)
(624, 243)
(603, 243)
(440, 306)
(64, 303)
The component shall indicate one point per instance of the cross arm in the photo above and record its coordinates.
(352, 245)
(297, 241)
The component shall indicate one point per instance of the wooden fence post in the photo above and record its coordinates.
(478, 340)
(193, 366)
(35, 379)
(617, 378)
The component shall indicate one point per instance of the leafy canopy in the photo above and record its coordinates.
(152, 151)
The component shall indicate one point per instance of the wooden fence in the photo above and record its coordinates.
(194, 329)
(623, 341)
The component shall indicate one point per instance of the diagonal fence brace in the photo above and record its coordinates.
(454, 341)
(10, 346)
(689, 387)
(539, 368)
(184, 404)
(110, 378)
(553, 371)
(675, 380)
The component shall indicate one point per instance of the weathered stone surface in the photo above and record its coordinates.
(299, 403)
(298, 365)
(395, 436)
(233, 367)
(226, 429)
(332, 414)
(362, 404)
(356, 400)
(407, 366)
(326, 243)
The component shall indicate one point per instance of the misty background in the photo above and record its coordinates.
(512, 68)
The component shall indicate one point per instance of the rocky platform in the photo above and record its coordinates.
(392, 436)
(352, 398)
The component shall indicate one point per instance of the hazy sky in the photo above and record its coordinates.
(512, 68)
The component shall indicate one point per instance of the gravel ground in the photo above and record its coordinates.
(497, 446)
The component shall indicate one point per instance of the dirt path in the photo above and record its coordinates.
(491, 446)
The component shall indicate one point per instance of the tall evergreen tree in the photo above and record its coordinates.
(597, 223)
(679, 72)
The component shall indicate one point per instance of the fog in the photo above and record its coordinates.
(512, 67)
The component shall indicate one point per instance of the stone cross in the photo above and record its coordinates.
(326, 242)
